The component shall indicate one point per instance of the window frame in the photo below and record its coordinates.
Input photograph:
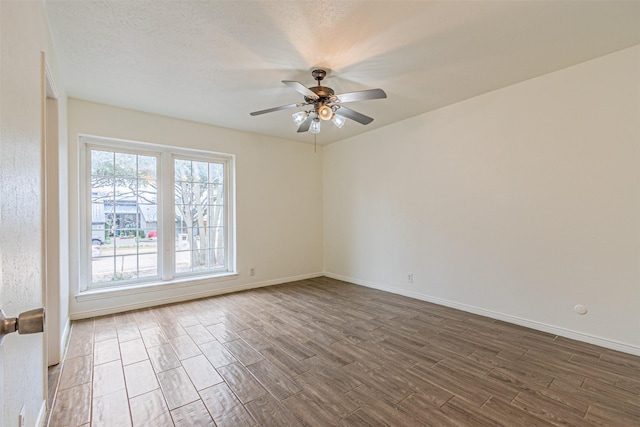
(165, 176)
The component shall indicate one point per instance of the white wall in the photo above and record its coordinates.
(24, 34)
(278, 200)
(517, 204)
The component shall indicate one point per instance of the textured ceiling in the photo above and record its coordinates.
(216, 61)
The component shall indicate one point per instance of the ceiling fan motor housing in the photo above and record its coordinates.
(324, 94)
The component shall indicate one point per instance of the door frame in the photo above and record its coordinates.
(50, 218)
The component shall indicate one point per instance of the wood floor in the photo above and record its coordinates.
(322, 352)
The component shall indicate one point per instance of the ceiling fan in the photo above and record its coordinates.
(326, 105)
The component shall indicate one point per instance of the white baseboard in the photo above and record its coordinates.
(42, 415)
(64, 339)
(151, 302)
(567, 333)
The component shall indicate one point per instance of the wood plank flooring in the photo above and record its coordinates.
(322, 352)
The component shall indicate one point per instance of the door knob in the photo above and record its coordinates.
(29, 322)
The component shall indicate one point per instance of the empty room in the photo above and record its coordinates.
(317, 213)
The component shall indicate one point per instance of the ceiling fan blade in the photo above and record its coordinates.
(354, 115)
(301, 88)
(283, 107)
(304, 126)
(362, 95)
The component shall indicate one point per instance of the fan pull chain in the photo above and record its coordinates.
(315, 143)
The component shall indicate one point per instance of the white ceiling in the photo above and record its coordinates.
(216, 61)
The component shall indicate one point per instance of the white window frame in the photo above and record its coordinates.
(166, 209)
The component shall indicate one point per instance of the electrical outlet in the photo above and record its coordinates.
(22, 416)
(409, 277)
(252, 271)
(580, 309)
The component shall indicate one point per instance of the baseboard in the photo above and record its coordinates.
(567, 333)
(187, 297)
(64, 340)
(42, 415)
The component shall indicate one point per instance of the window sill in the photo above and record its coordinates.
(113, 291)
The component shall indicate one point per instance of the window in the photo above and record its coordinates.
(154, 213)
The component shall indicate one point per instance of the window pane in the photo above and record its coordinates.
(126, 165)
(182, 170)
(218, 258)
(200, 172)
(217, 237)
(216, 171)
(198, 203)
(147, 167)
(147, 191)
(102, 163)
(217, 216)
(148, 220)
(215, 194)
(106, 250)
(183, 261)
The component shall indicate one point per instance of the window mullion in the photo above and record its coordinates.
(166, 214)
(85, 212)
(229, 210)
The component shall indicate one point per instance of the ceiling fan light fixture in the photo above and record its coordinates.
(299, 117)
(315, 126)
(325, 113)
(338, 120)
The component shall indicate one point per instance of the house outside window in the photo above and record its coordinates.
(154, 214)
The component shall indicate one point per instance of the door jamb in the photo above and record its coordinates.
(50, 219)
